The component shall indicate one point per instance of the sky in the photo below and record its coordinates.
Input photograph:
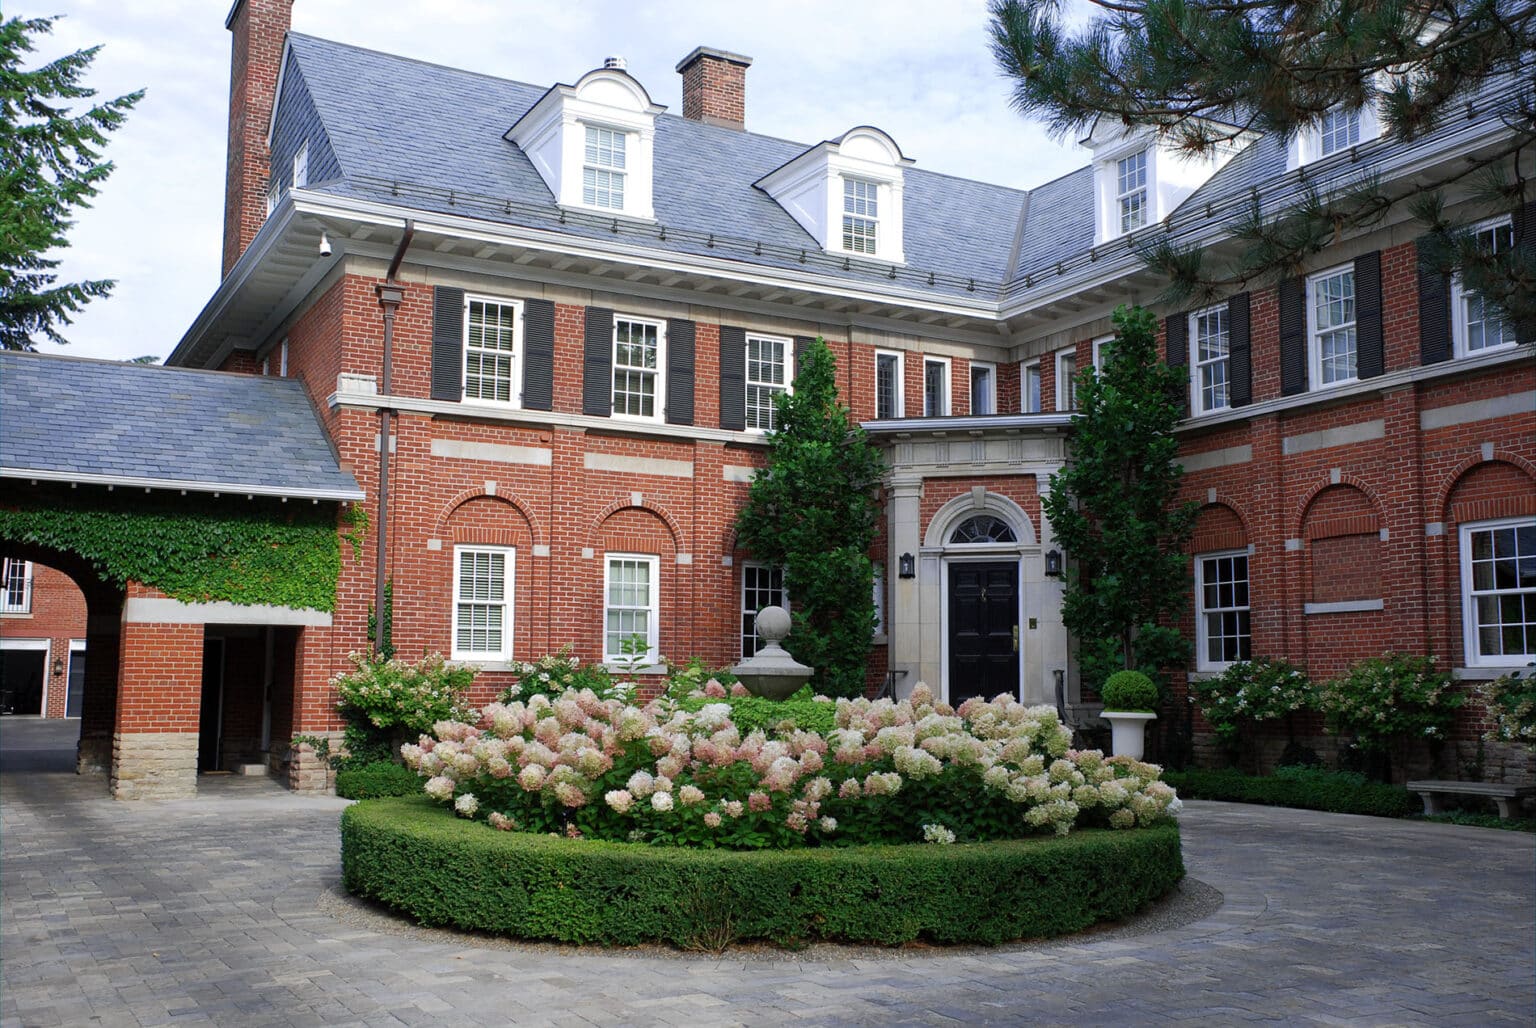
(919, 69)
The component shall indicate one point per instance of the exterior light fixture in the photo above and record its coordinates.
(906, 566)
(58, 666)
(1052, 563)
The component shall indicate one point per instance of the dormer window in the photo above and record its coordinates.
(1339, 130)
(602, 183)
(1132, 198)
(593, 143)
(847, 193)
(301, 166)
(861, 216)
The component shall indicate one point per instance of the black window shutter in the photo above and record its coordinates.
(1293, 337)
(1370, 351)
(733, 378)
(680, 335)
(447, 343)
(802, 344)
(597, 363)
(538, 354)
(1239, 352)
(1434, 314)
(1177, 335)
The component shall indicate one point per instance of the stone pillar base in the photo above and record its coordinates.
(308, 771)
(154, 765)
(94, 755)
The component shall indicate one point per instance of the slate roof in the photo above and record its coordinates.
(70, 419)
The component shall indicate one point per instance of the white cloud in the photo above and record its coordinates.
(919, 70)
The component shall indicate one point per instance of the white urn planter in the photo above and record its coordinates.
(1130, 732)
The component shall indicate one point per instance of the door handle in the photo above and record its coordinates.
(1015, 638)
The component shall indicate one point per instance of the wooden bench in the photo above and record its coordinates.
(1507, 797)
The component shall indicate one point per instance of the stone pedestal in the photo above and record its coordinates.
(154, 765)
(308, 771)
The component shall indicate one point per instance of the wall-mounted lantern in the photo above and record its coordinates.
(1052, 563)
(58, 666)
(906, 566)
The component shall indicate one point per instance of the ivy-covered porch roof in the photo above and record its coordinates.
(67, 419)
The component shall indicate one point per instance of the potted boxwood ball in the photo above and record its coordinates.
(1130, 701)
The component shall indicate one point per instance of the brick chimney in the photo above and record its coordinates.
(715, 87)
(258, 28)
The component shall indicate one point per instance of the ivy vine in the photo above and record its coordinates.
(198, 549)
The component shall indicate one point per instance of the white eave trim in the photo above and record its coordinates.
(180, 485)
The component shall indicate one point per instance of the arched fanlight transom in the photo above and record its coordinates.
(982, 528)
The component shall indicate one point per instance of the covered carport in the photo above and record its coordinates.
(203, 515)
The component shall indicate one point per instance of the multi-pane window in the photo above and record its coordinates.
(1478, 326)
(15, 586)
(482, 603)
(1338, 130)
(272, 194)
(1066, 381)
(983, 390)
(1331, 322)
(629, 607)
(1208, 333)
(761, 586)
(1131, 190)
(636, 358)
(301, 166)
(1032, 388)
(767, 379)
(1221, 591)
(935, 388)
(1498, 576)
(888, 385)
(861, 215)
(490, 350)
(602, 173)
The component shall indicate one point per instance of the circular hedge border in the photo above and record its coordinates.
(415, 857)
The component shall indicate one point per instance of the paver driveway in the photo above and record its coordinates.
(223, 910)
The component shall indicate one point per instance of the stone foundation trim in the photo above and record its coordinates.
(148, 610)
(1341, 607)
(1477, 410)
(1363, 432)
(154, 765)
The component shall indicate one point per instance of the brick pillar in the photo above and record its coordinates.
(1403, 552)
(98, 708)
(159, 696)
(257, 28)
(314, 712)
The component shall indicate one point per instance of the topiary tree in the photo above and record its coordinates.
(812, 511)
(1113, 507)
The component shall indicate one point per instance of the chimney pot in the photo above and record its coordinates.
(715, 87)
(616, 62)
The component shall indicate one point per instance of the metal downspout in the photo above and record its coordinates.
(390, 295)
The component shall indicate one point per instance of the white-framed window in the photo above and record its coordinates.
(603, 168)
(1338, 130)
(1029, 389)
(1331, 348)
(1103, 352)
(637, 360)
(1131, 191)
(935, 387)
(1222, 627)
(888, 384)
(1209, 355)
(1498, 591)
(274, 191)
(983, 388)
(767, 379)
(861, 215)
(631, 588)
(282, 358)
(493, 332)
(761, 586)
(1475, 326)
(482, 602)
(301, 166)
(1066, 380)
(16, 587)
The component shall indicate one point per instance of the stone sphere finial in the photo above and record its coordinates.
(773, 624)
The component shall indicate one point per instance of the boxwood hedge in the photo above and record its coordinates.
(377, 779)
(412, 856)
(1308, 788)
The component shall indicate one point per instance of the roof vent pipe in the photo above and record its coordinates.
(616, 63)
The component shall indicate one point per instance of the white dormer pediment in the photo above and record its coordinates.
(594, 143)
(847, 193)
(1140, 177)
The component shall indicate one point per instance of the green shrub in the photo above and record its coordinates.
(685, 679)
(750, 713)
(1129, 690)
(376, 780)
(1381, 699)
(1249, 692)
(408, 695)
(1511, 702)
(364, 744)
(441, 870)
(1309, 788)
(559, 672)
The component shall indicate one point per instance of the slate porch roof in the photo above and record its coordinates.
(69, 419)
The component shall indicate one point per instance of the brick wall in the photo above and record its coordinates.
(57, 615)
(256, 51)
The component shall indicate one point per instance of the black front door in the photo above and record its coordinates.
(983, 629)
